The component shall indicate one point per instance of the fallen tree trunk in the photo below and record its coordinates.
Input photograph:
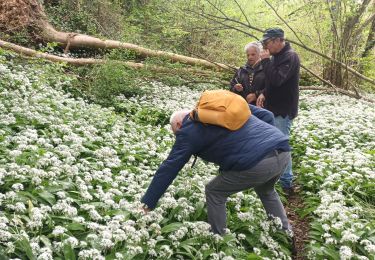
(340, 91)
(21, 14)
(90, 61)
(80, 62)
(334, 88)
(33, 53)
(80, 40)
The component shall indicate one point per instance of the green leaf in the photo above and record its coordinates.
(75, 227)
(198, 210)
(69, 252)
(47, 196)
(332, 253)
(191, 241)
(253, 241)
(2, 254)
(25, 246)
(62, 185)
(171, 227)
(253, 256)
(189, 255)
(188, 250)
(25, 196)
(307, 211)
(116, 212)
(207, 253)
(46, 241)
(61, 218)
(228, 238)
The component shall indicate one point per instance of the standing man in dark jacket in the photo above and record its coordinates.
(249, 80)
(253, 156)
(282, 92)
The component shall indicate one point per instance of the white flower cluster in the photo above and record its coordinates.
(73, 168)
(338, 136)
(73, 175)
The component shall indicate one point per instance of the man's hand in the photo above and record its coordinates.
(251, 98)
(238, 87)
(260, 100)
(265, 54)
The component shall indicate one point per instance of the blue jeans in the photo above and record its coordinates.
(284, 124)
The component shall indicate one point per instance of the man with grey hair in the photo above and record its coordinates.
(254, 156)
(249, 80)
(176, 119)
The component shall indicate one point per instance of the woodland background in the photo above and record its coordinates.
(332, 37)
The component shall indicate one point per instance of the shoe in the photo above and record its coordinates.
(289, 191)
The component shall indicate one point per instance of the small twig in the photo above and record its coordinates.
(285, 22)
(333, 20)
(334, 88)
(216, 19)
(202, 29)
(206, 59)
(320, 78)
(224, 19)
(242, 11)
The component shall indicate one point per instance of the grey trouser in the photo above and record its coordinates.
(262, 177)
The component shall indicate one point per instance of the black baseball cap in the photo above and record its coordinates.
(272, 33)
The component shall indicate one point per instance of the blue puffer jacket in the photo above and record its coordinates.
(231, 150)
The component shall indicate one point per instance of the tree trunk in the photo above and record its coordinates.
(343, 44)
(89, 61)
(16, 14)
(80, 40)
(370, 42)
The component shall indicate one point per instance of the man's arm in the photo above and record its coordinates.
(277, 75)
(263, 114)
(167, 172)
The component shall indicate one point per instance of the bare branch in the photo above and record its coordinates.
(367, 22)
(90, 61)
(335, 89)
(240, 7)
(221, 20)
(217, 64)
(228, 19)
(320, 78)
(333, 20)
(216, 8)
(285, 22)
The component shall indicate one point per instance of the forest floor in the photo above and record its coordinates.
(300, 225)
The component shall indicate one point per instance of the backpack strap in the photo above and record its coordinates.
(194, 115)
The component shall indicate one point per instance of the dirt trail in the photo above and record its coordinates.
(300, 226)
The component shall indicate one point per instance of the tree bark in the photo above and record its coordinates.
(80, 40)
(228, 22)
(334, 88)
(79, 62)
(15, 14)
(370, 42)
(89, 61)
(344, 43)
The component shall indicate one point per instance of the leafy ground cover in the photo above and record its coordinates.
(72, 174)
(334, 141)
